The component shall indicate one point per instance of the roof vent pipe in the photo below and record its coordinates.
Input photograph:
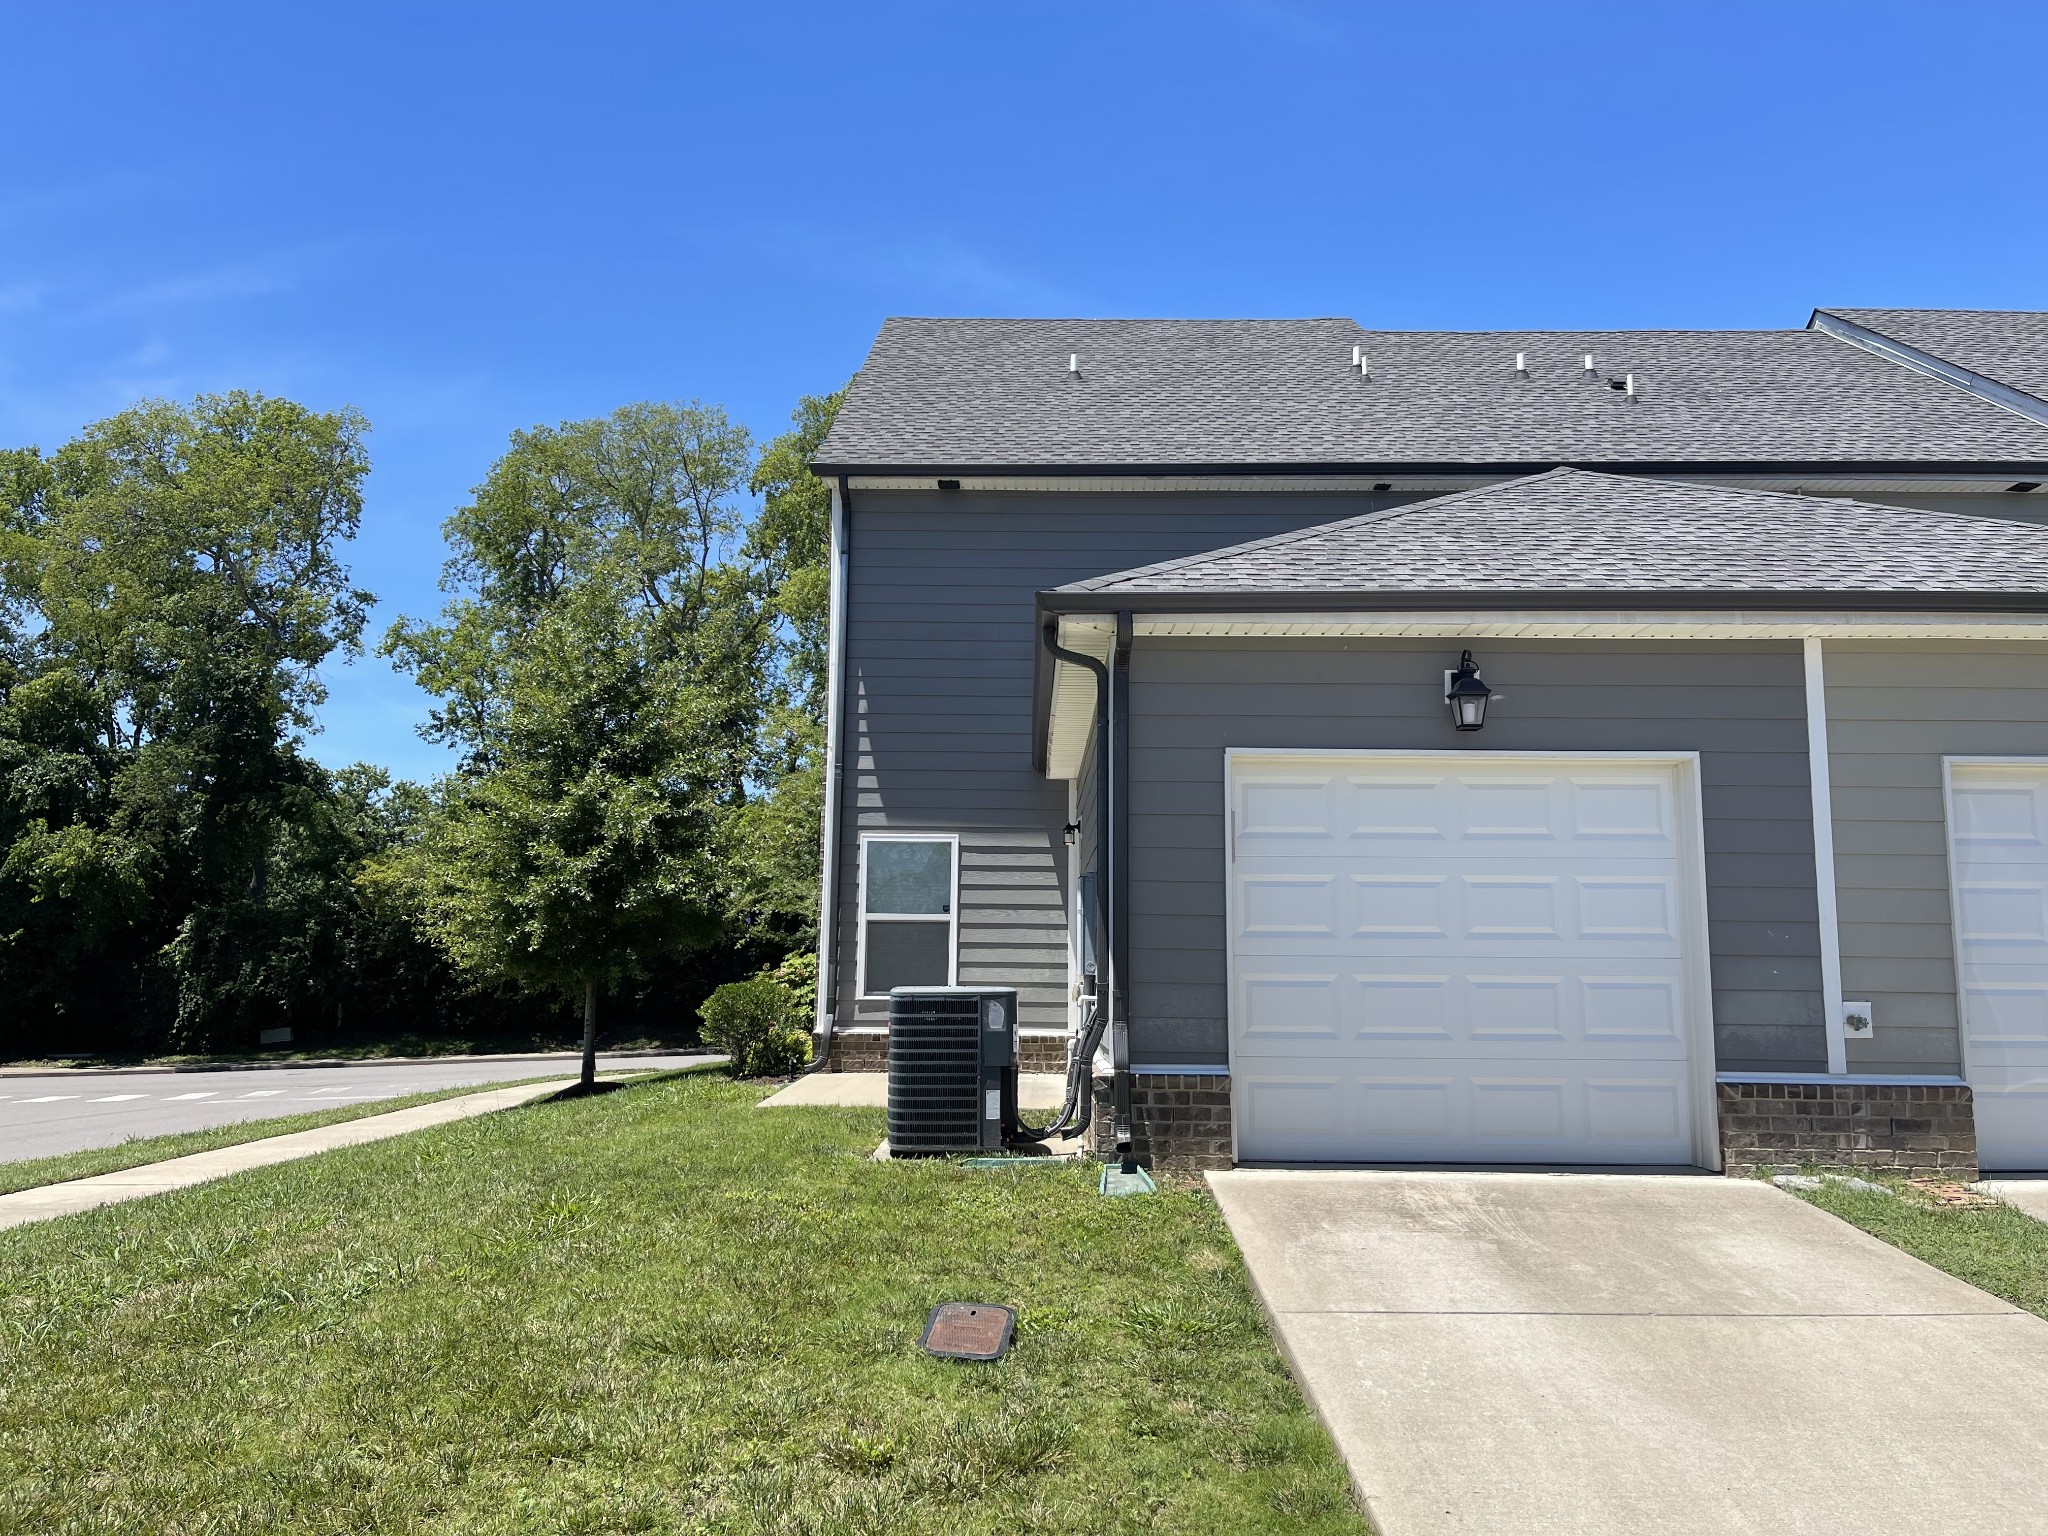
(1364, 366)
(1586, 363)
(1355, 355)
(1521, 362)
(1074, 364)
(1629, 385)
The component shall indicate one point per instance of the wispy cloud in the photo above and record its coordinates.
(184, 289)
(20, 296)
(933, 273)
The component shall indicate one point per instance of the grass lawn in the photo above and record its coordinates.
(658, 1310)
(34, 1172)
(1995, 1247)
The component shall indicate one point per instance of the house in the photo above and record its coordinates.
(1744, 858)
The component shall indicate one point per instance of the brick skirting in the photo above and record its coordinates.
(1921, 1127)
(868, 1051)
(1178, 1120)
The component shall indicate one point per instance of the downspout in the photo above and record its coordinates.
(835, 688)
(1105, 864)
(1120, 883)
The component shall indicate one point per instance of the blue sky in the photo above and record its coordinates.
(464, 219)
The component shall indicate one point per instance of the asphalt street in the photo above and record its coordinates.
(45, 1116)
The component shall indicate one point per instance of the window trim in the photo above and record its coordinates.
(951, 917)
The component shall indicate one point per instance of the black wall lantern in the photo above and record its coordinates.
(1467, 695)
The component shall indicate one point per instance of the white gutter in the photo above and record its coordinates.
(828, 868)
(1822, 778)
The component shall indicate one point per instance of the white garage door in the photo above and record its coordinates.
(1999, 832)
(1461, 960)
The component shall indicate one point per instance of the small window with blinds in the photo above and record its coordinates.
(909, 893)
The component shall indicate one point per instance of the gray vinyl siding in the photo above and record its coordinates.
(1741, 706)
(939, 669)
(1895, 709)
(2018, 507)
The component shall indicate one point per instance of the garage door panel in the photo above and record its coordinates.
(1399, 808)
(1359, 1013)
(1623, 1110)
(1486, 963)
(1515, 1008)
(1521, 906)
(2002, 914)
(1438, 1110)
(1644, 1009)
(1289, 906)
(1290, 1006)
(1310, 1110)
(2012, 1121)
(1296, 808)
(1998, 850)
(1501, 809)
(1392, 906)
(2000, 819)
(1632, 810)
(1639, 908)
(1403, 1005)
(2007, 1005)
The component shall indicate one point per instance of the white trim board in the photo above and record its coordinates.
(1820, 778)
(1846, 1080)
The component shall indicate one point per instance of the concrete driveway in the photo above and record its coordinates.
(1602, 1354)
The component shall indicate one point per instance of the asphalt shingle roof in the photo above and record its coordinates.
(1156, 394)
(1574, 531)
(2009, 345)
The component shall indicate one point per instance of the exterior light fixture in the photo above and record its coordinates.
(1466, 695)
(1071, 832)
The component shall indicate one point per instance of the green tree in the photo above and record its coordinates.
(772, 842)
(170, 584)
(599, 664)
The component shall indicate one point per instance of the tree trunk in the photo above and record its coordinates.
(590, 1032)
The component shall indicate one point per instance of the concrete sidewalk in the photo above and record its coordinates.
(870, 1090)
(2028, 1191)
(41, 1204)
(1536, 1353)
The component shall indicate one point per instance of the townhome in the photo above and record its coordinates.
(1508, 747)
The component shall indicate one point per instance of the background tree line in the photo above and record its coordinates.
(629, 666)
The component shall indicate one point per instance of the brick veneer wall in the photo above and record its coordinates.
(860, 1050)
(1923, 1128)
(1178, 1120)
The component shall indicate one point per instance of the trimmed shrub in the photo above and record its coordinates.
(799, 973)
(755, 1023)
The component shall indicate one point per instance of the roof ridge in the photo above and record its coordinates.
(1607, 533)
(1381, 515)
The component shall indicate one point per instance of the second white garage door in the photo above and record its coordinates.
(1475, 958)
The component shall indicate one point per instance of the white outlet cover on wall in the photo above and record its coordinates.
(1856, 1021)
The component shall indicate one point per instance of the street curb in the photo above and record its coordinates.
(332, 1061)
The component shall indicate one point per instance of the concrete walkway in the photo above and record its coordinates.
(2029, 1192)
(870, 1090)
(201, 1167)
(1536, 1353)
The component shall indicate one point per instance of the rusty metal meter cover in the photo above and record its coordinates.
(968, 1330)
